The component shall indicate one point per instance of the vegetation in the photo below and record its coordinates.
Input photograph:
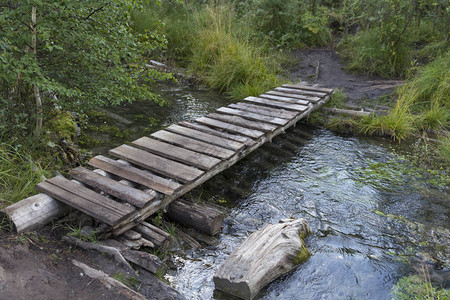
(393, 35)
(418, 287)
(73, 56)
(19, 173)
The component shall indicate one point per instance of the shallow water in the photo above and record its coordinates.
(372, 218)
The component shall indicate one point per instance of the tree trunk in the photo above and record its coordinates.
(36, 92)
(266, 254)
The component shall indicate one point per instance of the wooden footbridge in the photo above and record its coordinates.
(173, 161)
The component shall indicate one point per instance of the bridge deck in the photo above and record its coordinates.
(175, 160)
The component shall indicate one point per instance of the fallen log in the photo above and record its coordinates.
(108, 281)
(143, 259)
(266, 254)
(157, 236)
(36, 211)
(354, 113)
(203, 218)
(111, 251)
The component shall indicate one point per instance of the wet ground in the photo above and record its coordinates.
(323, 66)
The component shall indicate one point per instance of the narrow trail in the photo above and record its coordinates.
(361, 90)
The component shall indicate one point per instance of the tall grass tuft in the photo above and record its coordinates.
(224, 55)
(18, 174)
(399, 123)
(423, 104)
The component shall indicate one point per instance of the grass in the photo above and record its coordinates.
(365, 53)
(130, 281)
(423, 104)
(19, 174)
(443, 151)
(418, 287)
(224, 56)
(76, 232)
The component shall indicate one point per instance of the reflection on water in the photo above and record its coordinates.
(366, 230)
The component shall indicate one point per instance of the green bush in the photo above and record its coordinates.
(367, 53)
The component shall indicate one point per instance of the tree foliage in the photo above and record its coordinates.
(86, 56)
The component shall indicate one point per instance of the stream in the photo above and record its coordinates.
(375, 217)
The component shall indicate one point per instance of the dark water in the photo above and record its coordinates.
(374, 216)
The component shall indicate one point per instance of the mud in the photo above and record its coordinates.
(360, 89)
(38, 266)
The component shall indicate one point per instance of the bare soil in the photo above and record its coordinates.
(361, 90)
(38, 266)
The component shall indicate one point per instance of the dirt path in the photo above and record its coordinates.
(357, 87)
(37, 266)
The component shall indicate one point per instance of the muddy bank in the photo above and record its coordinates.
(323, 66)
(38, 266)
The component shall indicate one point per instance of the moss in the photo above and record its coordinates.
(302, 255)
(62, 125)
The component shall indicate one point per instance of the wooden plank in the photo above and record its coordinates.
(157, 163)
(206, 137)
(235, 137)
(112, 187)
(83, 199)
(243, 122)
(272, 103)
(134, 174)
(255, 134)
(264, 110)
(182, 155)
(309, 88)
(193, 144)
(284, 99)
(253, 116)
(300, 92)
(295, 96)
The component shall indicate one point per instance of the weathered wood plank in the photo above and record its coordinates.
(234, 137)
(255, 134)
(253, 116)
(265, 255)
(284, 99)
(264, 110)
(300, 92)
(182, 155)
(243, 122)
(157, 163)
(278, 104)
(194, 145)
(206, 137)
(134, 174)
(295, 96)
(81, 198)
(309, 88)
(112, 187)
